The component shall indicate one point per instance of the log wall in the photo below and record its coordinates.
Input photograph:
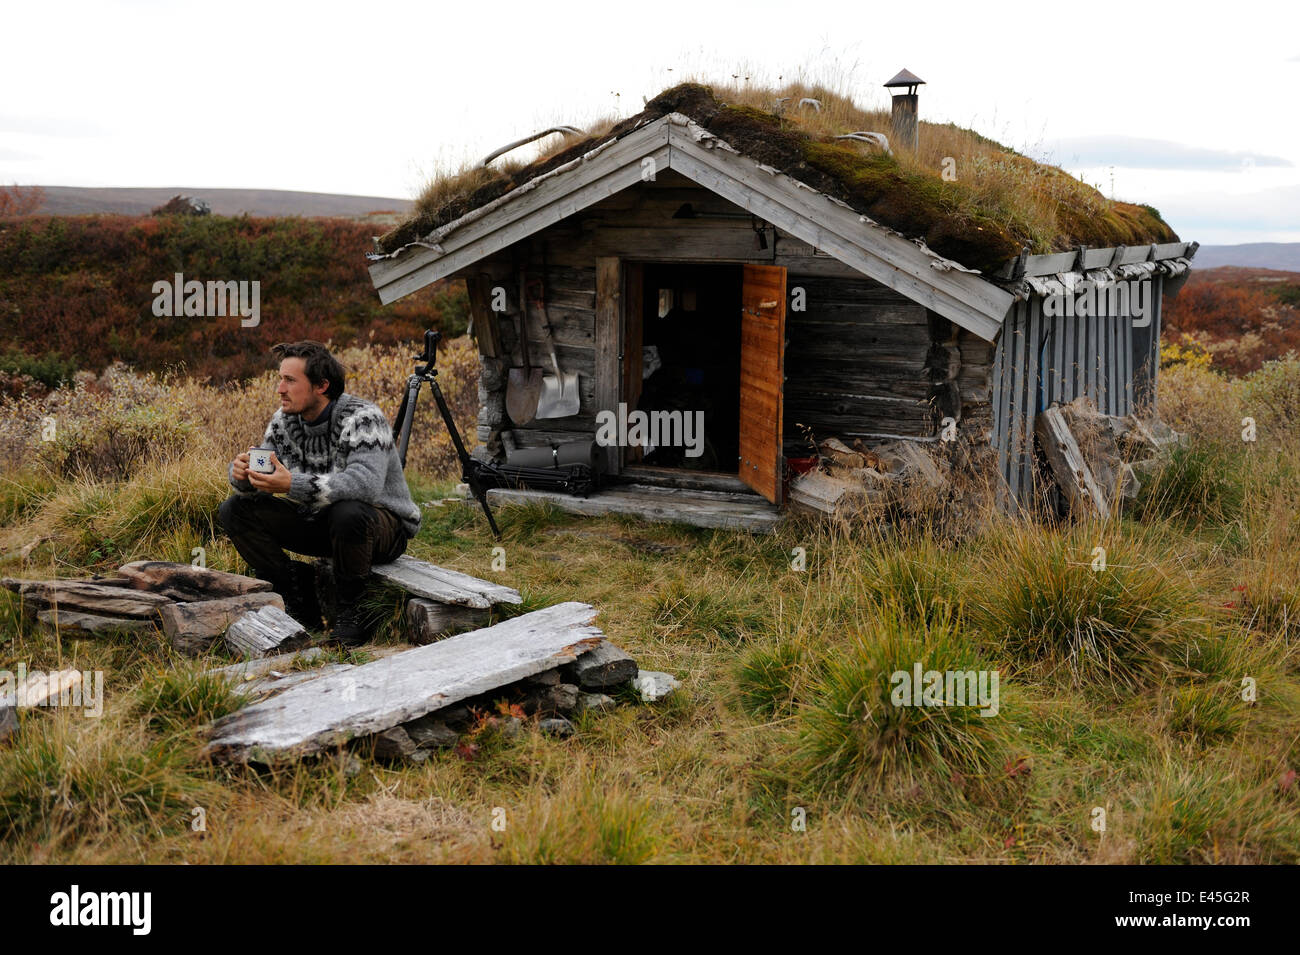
(861, 359)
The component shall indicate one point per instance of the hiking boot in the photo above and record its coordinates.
(297, 586)
(351, 625)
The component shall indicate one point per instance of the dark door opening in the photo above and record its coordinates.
(690, 364)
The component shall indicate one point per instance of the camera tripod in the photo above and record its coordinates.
(406, 416)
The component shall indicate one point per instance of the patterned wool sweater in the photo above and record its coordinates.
(348, 455)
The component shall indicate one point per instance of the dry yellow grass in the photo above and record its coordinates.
(1187, 771)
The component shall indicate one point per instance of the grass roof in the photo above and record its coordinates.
(998, 202)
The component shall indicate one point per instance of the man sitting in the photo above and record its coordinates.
(337, 491)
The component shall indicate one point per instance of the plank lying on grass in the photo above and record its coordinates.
(249, 669)
(423, 579)
(372, 697)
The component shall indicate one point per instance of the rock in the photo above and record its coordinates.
(562, 699)
(430, 732)
(556, 727)
(394, 743)
(548, 678)
(595, 703)
(601, 668)
(651, 685)
(512, 727)
(457, 717)
(185, 582)
(70, 623)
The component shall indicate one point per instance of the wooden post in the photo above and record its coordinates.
(609, 342)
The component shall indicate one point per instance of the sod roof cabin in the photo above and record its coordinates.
(771, 260)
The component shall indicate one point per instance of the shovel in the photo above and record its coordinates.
(523, 385)
(560, 396)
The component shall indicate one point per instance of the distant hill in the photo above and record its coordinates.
(78, 200)
(1250, 255)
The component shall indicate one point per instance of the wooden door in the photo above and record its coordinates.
(762, 378)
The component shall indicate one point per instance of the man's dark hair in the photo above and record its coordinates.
(321, 365)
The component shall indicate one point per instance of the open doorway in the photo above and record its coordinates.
(690, 322)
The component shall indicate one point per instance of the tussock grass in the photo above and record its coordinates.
(854, 733)
(1197, 484)
(597, 827)
(185, 699)
(69, 778)
(1124, 626)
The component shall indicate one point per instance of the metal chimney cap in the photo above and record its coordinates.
(906, 78)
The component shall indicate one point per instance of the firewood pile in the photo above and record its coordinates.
(548, 666)
(848, 479)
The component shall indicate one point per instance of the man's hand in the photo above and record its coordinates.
(239, 467)
(278, 482)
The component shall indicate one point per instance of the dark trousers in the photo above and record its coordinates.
(355, 535)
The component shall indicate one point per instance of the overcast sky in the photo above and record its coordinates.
(1196, 116)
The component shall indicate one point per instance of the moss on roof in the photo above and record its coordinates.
(999, 202)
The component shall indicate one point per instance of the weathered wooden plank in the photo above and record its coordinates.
(695, 508)
(192, 628)
(521, 213)
(371, 698)
(277, 682)
(609, 343)
(829, 416)
(1068, 465)
(250, 669)
(177, 581)
(443, 585)
(867, 382)
(1032, 393)
(1053, 262)
(478, 289)
(998, 400)
(264, 632)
